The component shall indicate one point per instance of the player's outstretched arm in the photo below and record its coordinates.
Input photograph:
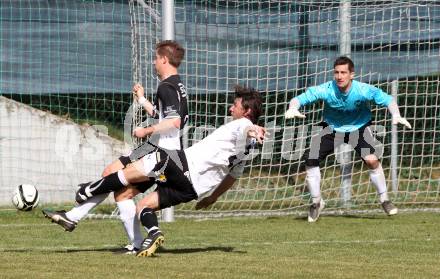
(138, 92)
(396, 118)
(225, 185)
(293, 111)
(161, 127)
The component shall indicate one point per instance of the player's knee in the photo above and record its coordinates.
(109, 170)
(106, 172)
(113, 167)
(141, 205)
(148, 202)
(372, 163)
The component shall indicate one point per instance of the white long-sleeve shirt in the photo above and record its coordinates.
(221, 153)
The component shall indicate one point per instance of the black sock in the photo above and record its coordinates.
(148, 219)
(110, 183)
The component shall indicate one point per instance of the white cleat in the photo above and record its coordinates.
(315, 210)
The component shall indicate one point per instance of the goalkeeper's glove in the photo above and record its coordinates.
(401, 120)
(293, 113)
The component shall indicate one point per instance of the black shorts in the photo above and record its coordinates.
(324, 143)
(142, 187)
(137, 153)
(175, 187)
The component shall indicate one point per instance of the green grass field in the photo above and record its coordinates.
(364, 246)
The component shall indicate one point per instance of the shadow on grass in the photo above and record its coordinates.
(370, 217)
(200, 250)
(66, 250)
(119, 250)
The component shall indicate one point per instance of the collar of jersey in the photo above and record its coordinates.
(339, 93)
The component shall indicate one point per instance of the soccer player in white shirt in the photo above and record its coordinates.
(212, 164)
(347, 119)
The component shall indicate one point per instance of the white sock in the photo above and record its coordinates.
(313, 180)
(127, 213)
(378, 179)
(81, 210)
(122, 178)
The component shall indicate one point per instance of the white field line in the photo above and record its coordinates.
(362, 241)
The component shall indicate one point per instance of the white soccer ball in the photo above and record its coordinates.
(25, 197)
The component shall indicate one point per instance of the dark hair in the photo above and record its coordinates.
(343, 60)
(250, 99)
(172, 50)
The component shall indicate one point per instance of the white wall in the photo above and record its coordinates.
(52, 153)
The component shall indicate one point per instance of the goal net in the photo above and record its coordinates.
(283, 47)
(78, 59)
